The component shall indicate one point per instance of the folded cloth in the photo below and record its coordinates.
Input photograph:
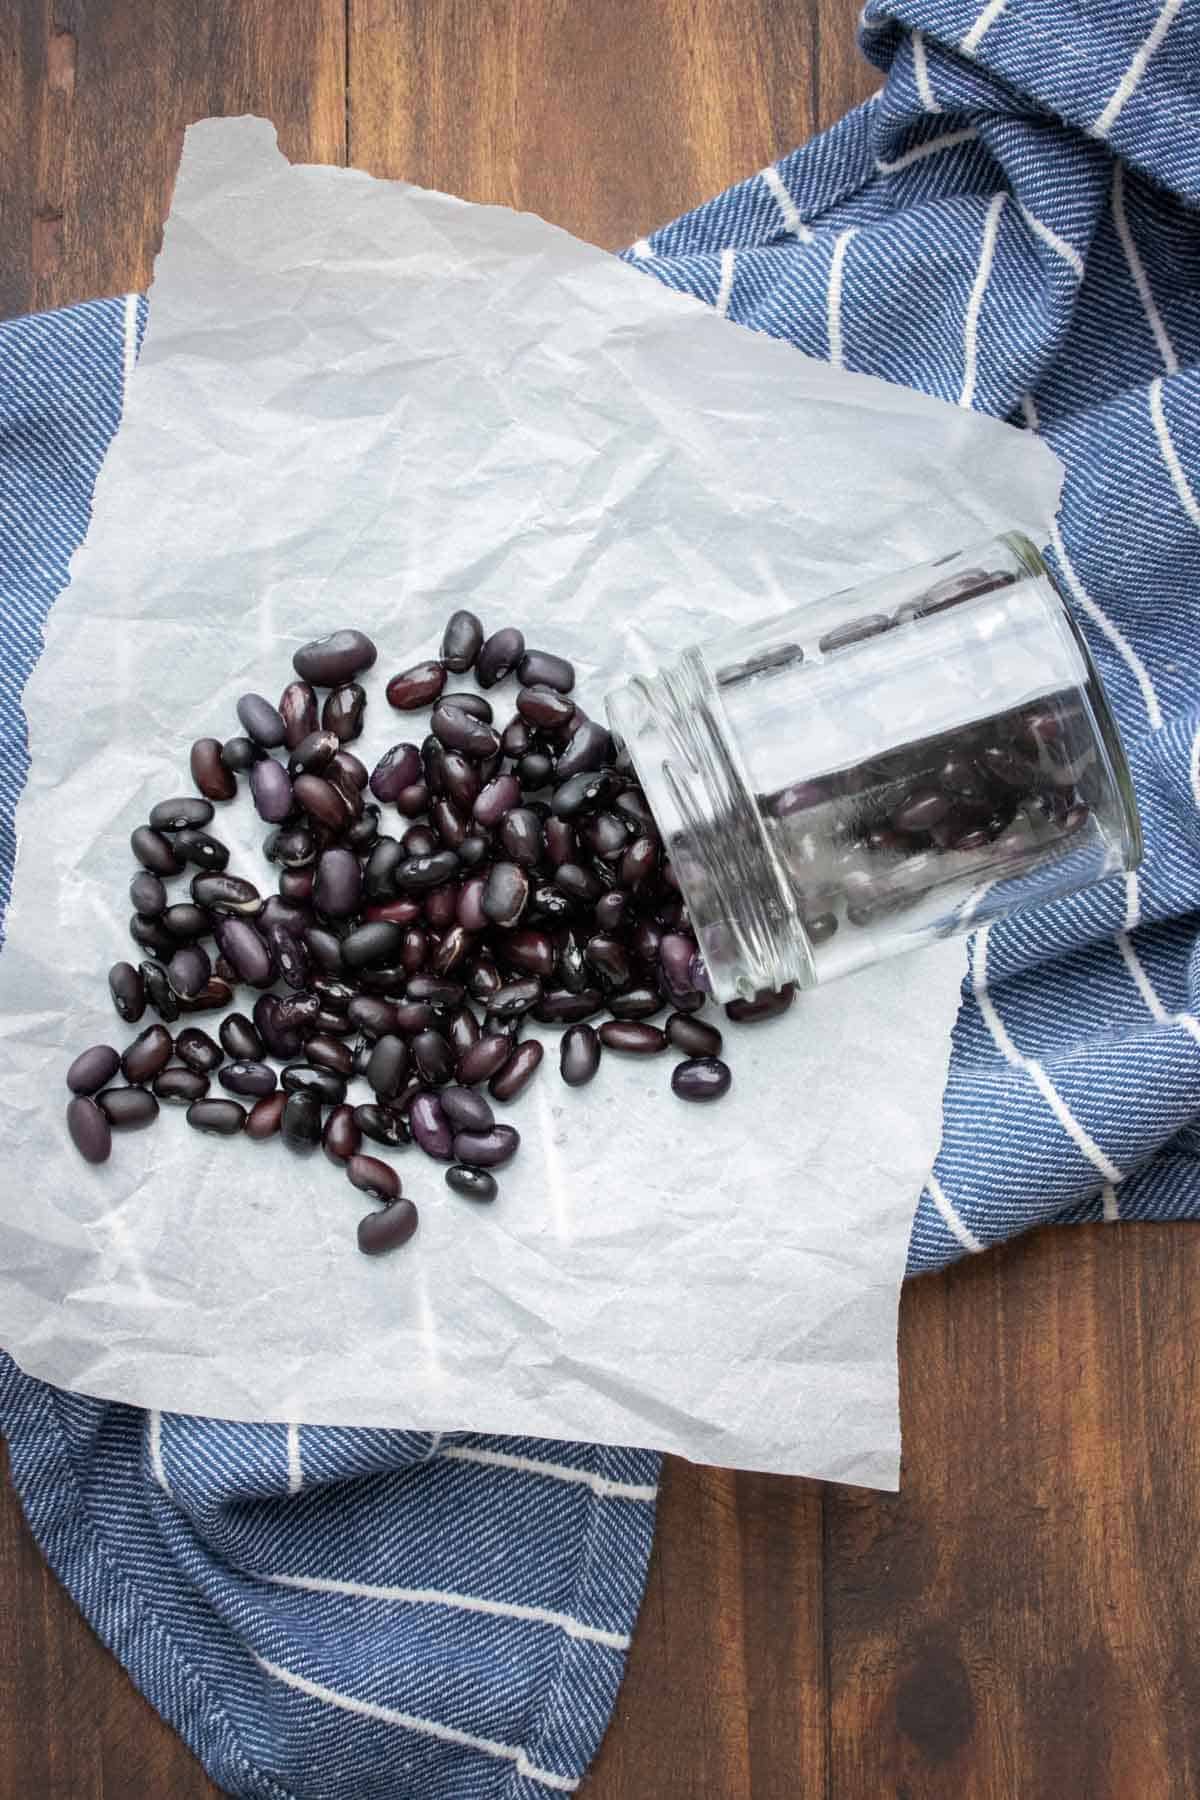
(338, 1615)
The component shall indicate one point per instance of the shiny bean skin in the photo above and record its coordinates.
(367, 944)
(462, 1031)
(694, 1036)
(496, 799)
(293, 846)
(90, 1129)
(545, 708)
(609, 958)
(343, 712)
(604, 836)
(561, 843)
(262, 721)
(147, 895)
(240, 754)
(195, 1048)
(515, 998)
(313, 754)
(154, 851)
(701, 1078)
(460, 778)
(516, 739)
(219, 1118)
(324, 949)
(417, 687)
(180, 1087)
(530, 950)
(453, 950)
(372, 1015)
(93, 1069)
(459, 729)
(520, 836)
(632, 1036)
(159, 992)
(322, 801)
(298, 710)
(388, 1066)
(350, 770)
(499, 656)
(505, 894)
(639, 862)
(577, 883)
(466, 1110)
(209, 773)
(763, 1006)
(430, 1127)
(246, 948)
(342, 1135)
(538, 668)
(558, 1006)
(240, 1039)
(188, 971)
(380, 871)
(517, 1072)
(151, 934)
(184, 922)
(266, 1116)
(127, 1108)
(579, 1055)
(675, 954)
(411, 1016)
(365, 829)
(332, 660)
(201, 849)
(149, 1053)
(419, 840)
(441, 906)
(331, 1024)
(397, 769)
(590, 750)
(450, 826)
(388, 1229)
(612, 911)
(535, 770)
(289, 955)
(301, 1123)
(462, 641)
(328, 1052)
(482, 1060)
(487, 1149)
(473, 1184)
(383, 1125)
(371, 1176)
(175, 814)
(303, 1078)
(417, 874)
(338, 883)
(253, 1078)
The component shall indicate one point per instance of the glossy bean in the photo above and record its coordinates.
(180, 1087)
(632, 1036)
(545, 708)
(151, 934)
(195, 1048)
(293, 847)
(93, 1069)
(590, 750)
(90, 1129)
(322, 801)
(473, 1184)
(300, 1126)
(350, 770)
(579, 1055)
(240, 754)
(418, 874)
(201, 848)
(338, 883)
(695, 1036)
(371, 1176)
(505, 894)
(518, 1071)
(127, 1108)
(701, 1078)
(214, 996)
(499, 656)
(482, 1059)
(298, 710)
(159, 992)
(577, 883)
(538, 668)
(329, 661)
(266, 1115)
(766, 1005)
(149, 1052)
(367, 944)
(253, 1078)
(558, 1006)
(185, 921)
(154, 851)
(383, 1125)
(262, 721)
(534, 771)
(487, 1149)
(241, 941)
(520, 836)
(324, 1084)
(326, 1051)
(239, 1038)
(188, 971)
(313, 754)
(147, 895)
(461, 781)
(417, 687)
(209, 773)
(343, 711)
(458, 729)
(497, 798)
(530, 950)
(515, 998)
(387, 1229)
(462, 641)
(412, 801)
(388, 1066)
(342, 1134)
(466, 1110)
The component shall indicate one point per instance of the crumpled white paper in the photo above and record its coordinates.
(362, 403)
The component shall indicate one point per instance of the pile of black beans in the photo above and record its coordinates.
(522, 880)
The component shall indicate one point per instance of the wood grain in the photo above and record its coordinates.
(1017, 1623)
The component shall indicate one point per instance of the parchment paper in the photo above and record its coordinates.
(362, 403)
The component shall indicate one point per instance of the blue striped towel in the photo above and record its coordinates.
(337, 1615)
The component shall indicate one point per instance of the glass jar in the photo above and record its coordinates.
(893, 764)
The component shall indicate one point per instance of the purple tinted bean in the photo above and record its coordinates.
(449, 825)
(397, 769)
(239, 1038)
(279, 1039)
(473, 1184)
(209, 773)
(482, 1060)
(262, 721)
(612, 911)
(226, 894)
(151, 934)
(300, 1125)
(452, 952)
(433, 1057)
(364, 831)
(558, 1006)
(246, 948)
(387, 1229)
(469, 906)
(467, 1110)
(639, 1002)
(371, 1176)
(639, 862)
(590, 749)
(517, 1072)
(371, 1014)
(175, 814)
(545, 708)
(219, 1118)
(487, 1149)
(149, 1053)
(416, 687)
(93, 1069)
(154, 851)
(675, 954)
(419, 874)
(496, 799)
(561, 843)
(462, 641)
(338, 883)
(577, 882)
(505, 894)
(313, 754)
(188, 971)
(766, 1005)
(329, 661)
(127, 1108)
(90, 1129)
(461, 780)
(383, 1125)
(462, 1031)
(254, 1078)
(520, 836)
(604, 836)
(294, 847)
(515, 998)
(632, 1036)
(266, 1116)
(458, 729)
(325, 1051)
(431, 1128)
(436, 990)
(701, 1078)
(343, 711)
(147, 895)
(412, 801)
(419, 840)
(609, 958)
(516, 739)
(388, 1066)
(322, 801)
(538, 668)
(288, 953)
(499, 656)
(298, 710)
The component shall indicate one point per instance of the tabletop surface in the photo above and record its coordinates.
(1019, 1621)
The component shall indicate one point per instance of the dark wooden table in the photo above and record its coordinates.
(1022, 1621)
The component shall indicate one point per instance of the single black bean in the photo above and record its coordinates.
(383, 1125)
(369, 1013)
(329, 661)
(460, 780)
(93, 1069)
(220, 1118)
(151, 934)
(90, 1129)
(173, 815)
(646, 942)
(325, 1051)
(520, 836)
(254, 1078)
(262, 721)
(585, 793)
(328, 1087)
(517, 1072)
(322, 801)
(417, 874)
(516, 740)
(185, 921)
(387, 1229)
(240, 1039)
(419, 840)
(695, 1036)
(675, 954)
(373, 1177)
(448, 824)
(240, 754)
(496, 799)
(128, 1108)
(701, 1078)
(535, 771)
(179, 1087)
(558, 1006)
(379, 874)
(572, 971)
(499, 656)
(388, 1066)
(515, 998)
(147, 895)
(530, 950)
(266, 1115)
(505, 893)
(209, 773)
(325, 949)
(639, 1002)
(487, 1149)
(213, 996)
(766, 1005)
(159, 992)
(313, 754)
(202, 849)
(482, 1059)
(461, 641)
(473, 1184)
(467, 1110)
(484, 978)
(292, 846)
(452, 952)
(604, 835)
(612, 911)
(462, 1030)
(473, 850)
(416, 687)
(430, 1127)
(609, 957)
(338, 883)
(368, 944)
(154, 851)
(632, 1036)
(412, 801)
(579, 1055)
(561, 843)
(188, 971)
(538, 668)
(577, 882)
(343, 711)
(195, 1048)
(397, 769)
(298, 710)
(241, 941)
(590, 750)
(545, 708)
(289, 955)
(458, 729)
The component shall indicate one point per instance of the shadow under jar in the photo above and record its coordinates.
(891, 765)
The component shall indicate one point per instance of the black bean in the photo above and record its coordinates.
(159, 992)
(195, 1048)
(433, 1057)
(147, 895)
(373, 1177)
(453, 950)
(266, 1115)
(612, 911)
(609, 957)
(338, 883)
(223, 894)
(461, 780)
(482, 1059)
(497, 798)
(532, 951)
(383, 1125)
(430, 1127)
(209, 773)
(240, 754)
(185, 922)
(473, 1184)
(342, 713)
(467, 1110)
(151, 934)
(262, 721)
(368, 944)
(179, 1087)
(328, 1052)
(173, 815)
(322, 801)
(604, 835)
(397, 769)
(364, 831)
(388, 1066)
(584, 793)
(313, 754)
(538, 668)
(220, 1118)
(535, 771)
(127, 1108)
(505, 893)
(298, 710)
(516, 739)
(93, 1069)
(301, 1122)
(241, 941)
(517, 1072)
(202, 849)
(695, 1036)
(558, 1006)
(239, 1038)
(462, 1030)
(416, 687)
(632, 1036)
(89, 1128)
(515, 998)
(561, 843)
(920, 810)
(499, 656)
(188, 971)
(545, 708)
(458, 729)
(303, 1078)
(419, 840)
(766, 1005)
(418, 874)
(520, 836)
(449, 825)
(248, 1077)
(461, 641)
(329, 661)
(473, 850)
(579, 1055)
(387, 1229)
(154, 851)
(590, 749)
(436, 990)
(701, 1078)
(577, 882)
(412, 801)
(369, 1013)
(487, 1149)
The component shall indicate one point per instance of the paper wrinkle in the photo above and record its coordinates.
(360, 403)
